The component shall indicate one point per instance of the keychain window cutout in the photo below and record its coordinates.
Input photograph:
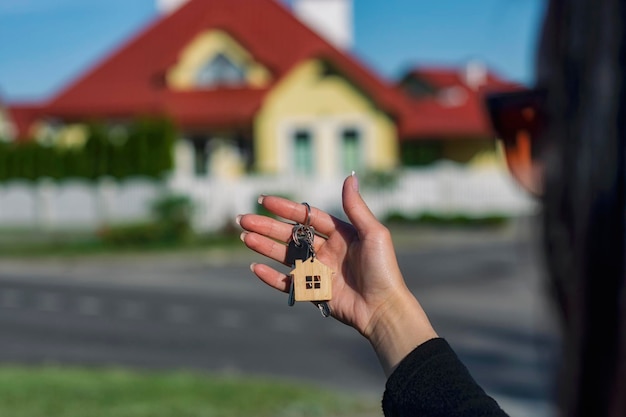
(312, 280)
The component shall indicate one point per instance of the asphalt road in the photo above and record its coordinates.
(200, 312)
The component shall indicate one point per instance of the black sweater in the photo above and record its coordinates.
(432, 381)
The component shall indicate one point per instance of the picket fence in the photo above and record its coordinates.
(446, 188)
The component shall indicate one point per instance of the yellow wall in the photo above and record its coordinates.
(202, 49)
(5, 126)
(305, 97)
(465, 150)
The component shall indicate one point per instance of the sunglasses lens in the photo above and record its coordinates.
(517, 119)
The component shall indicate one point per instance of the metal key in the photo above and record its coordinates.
(324, 308)
(298, 248)
(295, 250)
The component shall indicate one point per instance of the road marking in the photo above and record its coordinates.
(10, 298)
(49, 301)
(88, 305)
(230, 318)
(178, 314)
(133, 310)
(286, 323)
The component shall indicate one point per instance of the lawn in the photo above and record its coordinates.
(63, 392)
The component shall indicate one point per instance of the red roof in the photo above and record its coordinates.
(131, 80)
(456, 110)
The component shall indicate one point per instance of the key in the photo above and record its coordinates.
(300, 250)
(324, 308)
(296, 250)
(292, 294)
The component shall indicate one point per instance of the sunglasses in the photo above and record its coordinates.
(518, 119)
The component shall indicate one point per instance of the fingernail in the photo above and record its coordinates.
(238, 219)
(261, 198)
(355, 183)
(252, 265)
(242, 236)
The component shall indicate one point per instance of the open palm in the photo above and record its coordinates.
(367, 277)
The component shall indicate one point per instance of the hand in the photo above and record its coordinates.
(369, 292)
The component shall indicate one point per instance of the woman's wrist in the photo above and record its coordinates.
(397, 329)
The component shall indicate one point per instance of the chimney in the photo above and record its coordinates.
(475, 74)
(168, 6)
(332, 19)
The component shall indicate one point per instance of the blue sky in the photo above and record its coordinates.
(44, 43)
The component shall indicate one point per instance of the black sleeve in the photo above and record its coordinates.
(432, 381)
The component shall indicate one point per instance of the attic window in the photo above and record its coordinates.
(328, 71)
(417, 87)
(220, 71)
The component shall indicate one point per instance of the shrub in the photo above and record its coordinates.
(171, 225)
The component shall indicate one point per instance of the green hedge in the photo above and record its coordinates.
(448, 220)
(143, 149)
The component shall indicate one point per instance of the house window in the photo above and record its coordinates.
(417, 87)
(220, 71)
(201, 157)
(313, 282)
(421, 153)
(303, 152)
(351, 150)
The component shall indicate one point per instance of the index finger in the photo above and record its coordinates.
(299, 213)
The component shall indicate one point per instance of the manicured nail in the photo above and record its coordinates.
(261, 198)
(355, 183)
(242, 236)
(238, 220)
(252, 265)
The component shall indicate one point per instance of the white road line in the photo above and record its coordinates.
(178, 314)
(88, 305)
(49, 301)
(133, 310)
(285, 323)
(10, 298)
(230, 318)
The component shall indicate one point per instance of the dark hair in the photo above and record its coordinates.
(582, 66)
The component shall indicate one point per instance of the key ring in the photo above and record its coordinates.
(307, 219)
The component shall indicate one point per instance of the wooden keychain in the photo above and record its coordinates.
(311, 280)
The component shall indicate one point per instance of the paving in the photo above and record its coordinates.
(205, 310)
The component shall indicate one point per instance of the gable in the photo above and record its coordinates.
(324, 101)
(215, 59)
(315, 87)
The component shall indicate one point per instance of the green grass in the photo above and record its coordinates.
(63, 392)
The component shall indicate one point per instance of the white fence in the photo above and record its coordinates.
(445, 188)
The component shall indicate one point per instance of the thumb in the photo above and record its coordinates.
(355, 208)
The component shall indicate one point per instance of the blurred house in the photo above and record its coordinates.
(254, 86)
(249, 86)
(446, 118)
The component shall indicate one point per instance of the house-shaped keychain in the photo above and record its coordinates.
(312, 280)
